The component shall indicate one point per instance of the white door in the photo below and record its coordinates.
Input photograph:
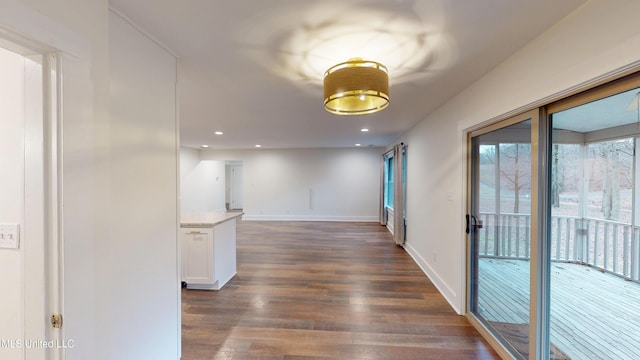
(28, 109)
(235, 191)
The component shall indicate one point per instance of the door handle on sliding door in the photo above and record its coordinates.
(477, 224)
(472, 222)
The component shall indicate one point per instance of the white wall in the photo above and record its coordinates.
(78, 28)
(139, 293)
(120, 178)
(202, 183)
(11, 192)
(83, 210)
(308, 184)
(599, 38)
(189, 160)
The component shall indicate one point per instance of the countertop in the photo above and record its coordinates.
(209, 219)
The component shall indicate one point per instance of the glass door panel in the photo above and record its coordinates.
(499, 225)
(594, 240)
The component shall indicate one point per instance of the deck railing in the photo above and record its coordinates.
(606, 245)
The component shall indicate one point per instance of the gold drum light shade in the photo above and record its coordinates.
(356, 87)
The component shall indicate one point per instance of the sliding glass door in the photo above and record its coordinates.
(594, 247)
(554, 228)
(499, 225)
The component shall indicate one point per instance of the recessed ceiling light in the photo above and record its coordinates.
(364, 130)
(358, 145)
(218, 133)
(258, 146)
(205, 146)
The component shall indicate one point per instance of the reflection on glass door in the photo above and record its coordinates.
(594, 242)
(499, 225)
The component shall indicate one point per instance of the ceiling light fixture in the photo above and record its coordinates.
(218, 133)
(364, 130)
(356, 87)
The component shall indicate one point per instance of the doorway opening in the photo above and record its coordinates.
(234, 185)
(30, 210)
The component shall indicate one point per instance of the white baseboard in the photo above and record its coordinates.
(309, 218)
(444, 289)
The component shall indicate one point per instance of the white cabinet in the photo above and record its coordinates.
(197, 256)
(208, 253)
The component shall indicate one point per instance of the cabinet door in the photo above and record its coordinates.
(197, 256)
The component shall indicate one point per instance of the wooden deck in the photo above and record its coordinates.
(594, 315)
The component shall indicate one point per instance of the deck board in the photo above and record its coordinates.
(594, 315)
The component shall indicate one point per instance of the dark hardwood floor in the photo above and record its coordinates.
(324, 290)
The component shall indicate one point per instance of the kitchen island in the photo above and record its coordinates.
(208, 249)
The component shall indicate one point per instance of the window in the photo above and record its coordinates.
(388, 182)
(404, 181)
(610, 179)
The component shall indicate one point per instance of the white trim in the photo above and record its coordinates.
(178, 210)
(141, 30)
(34, 293)
(27, 26)
(463, 300)
(309, 218)
(53, 200)
(607, 77)
(59, 285)
(448, 293)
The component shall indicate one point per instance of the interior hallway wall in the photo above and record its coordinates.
(308, 184)
(81, 34)
(79, 29)
(111, 224)
(139, 297)
(12, 123)
(597, 39)
(202, 183)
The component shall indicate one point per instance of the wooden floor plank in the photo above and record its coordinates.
(594, 315)
(320, 290)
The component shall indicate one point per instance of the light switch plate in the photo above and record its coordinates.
(9, 236)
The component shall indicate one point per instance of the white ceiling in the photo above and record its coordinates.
(253, 68)
(616, 110)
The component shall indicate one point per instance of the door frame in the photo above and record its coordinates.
(595, 89)
(536, 116)
(42, 245)
(235, 187)
(53, 203)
